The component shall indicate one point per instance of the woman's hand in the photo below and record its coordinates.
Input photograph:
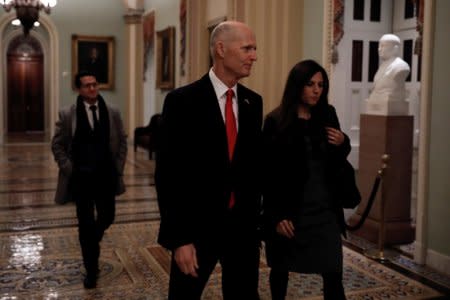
(335, 137)
(286, 228)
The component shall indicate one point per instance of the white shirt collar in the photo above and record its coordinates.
(219, 87)
(87, 105)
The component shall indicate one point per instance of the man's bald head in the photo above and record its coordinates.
(225, 31)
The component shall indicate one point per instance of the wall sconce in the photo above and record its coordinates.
(27, 11)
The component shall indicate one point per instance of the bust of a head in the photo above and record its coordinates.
(389, 46)
(388, 93)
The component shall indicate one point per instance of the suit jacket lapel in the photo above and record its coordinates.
(210, 105)
(243, 116)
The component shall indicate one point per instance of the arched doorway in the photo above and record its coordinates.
(25, 85)
(47, 37)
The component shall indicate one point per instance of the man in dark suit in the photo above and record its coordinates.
(90, 147)
(207, 173)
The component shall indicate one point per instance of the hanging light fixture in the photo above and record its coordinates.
(27, 11)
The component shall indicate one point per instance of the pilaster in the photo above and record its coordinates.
(134, 69)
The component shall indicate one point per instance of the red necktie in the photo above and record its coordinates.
(230, 124)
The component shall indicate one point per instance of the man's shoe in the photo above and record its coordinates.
(90, 282)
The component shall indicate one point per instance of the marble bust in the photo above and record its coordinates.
(388, 94)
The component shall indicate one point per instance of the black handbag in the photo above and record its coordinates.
(346, 188)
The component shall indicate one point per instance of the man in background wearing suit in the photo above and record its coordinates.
(90, 147)
(207, 173)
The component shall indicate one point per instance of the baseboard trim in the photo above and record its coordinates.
(438, 261)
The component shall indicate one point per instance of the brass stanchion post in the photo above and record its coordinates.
(380, 253)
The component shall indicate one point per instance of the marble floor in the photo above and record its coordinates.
(40, 256)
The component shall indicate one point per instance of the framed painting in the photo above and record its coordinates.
(94, 54)
(165, 58)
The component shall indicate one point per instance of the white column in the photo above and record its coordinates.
(421, 244)
(134, 55)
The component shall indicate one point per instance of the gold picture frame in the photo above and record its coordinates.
(95, 54)
(165, 58)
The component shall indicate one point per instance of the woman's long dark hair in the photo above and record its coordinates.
(298, 77)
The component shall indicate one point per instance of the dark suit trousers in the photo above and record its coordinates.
(94, 195)
(239, 259)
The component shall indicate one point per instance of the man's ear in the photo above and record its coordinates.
(220, 48)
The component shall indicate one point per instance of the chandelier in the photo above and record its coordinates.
(27, 11)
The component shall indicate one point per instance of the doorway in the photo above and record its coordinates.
(363, 23)
(25, 86)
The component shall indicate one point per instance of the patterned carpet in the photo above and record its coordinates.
(40, 256)
(134, 267)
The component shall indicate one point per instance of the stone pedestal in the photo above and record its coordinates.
(392, 135)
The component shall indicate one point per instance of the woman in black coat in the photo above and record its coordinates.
(305, 148)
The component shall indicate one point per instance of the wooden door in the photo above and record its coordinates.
(25, 84)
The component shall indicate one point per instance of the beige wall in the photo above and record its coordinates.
(312, 16)
(439, 155)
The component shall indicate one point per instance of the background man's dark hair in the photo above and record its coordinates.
(80, 74)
